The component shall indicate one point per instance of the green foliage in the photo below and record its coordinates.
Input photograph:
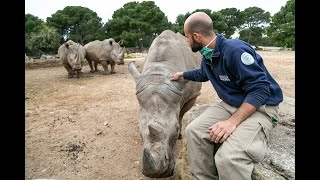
(254, 17)
(46, 41)
(77, 23)
(233, 18)
(282, 27)
(137, 24)
(32, 25)
(218, 20)
(255, 35)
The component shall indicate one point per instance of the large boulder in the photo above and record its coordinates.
(279, 162)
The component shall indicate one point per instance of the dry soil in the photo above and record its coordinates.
(87, 128)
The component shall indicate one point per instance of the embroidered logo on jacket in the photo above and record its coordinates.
(246, 58)
(224, 78)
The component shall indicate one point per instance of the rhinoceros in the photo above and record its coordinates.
(104, 52)
(72, 56)
(163, 102)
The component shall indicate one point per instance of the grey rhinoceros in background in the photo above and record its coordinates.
(163, 102)
(104, 52)
(72, 56)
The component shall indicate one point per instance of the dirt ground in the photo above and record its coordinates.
(87, 128)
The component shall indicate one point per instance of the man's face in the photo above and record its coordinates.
(195, 46)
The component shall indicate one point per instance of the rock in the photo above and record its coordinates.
(279, 162)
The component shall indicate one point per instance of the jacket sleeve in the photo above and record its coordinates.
(197, 74)
(250, 73)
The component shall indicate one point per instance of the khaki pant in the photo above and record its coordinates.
(233, 159)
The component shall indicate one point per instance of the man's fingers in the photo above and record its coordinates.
(225, 136)
(218, 136)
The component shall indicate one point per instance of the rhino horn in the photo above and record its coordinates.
(134, 71)
(121, 51)
(154, 130)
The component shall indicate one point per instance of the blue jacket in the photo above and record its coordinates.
(238, 75)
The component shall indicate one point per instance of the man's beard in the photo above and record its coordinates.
(196, 46)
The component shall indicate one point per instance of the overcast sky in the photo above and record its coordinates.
(171, 8)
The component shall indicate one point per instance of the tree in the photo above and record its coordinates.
(180, 19)
(32, 25)
(282, 27)
(46, 41)
(137, 24)
(233, 20)
(254, 17)
(77, 23)
(218, 20)
(255, 34)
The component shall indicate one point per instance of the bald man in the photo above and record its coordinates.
(225, 140)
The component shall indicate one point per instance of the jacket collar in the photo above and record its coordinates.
(218, 47)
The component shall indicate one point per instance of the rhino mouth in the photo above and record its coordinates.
(153, 169)
(77, 72)
(120, 63)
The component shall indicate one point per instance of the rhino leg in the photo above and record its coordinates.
(104, 64)
(91, 67)
(96, 66)
(69, 69)
(112, 67)
(79, 74)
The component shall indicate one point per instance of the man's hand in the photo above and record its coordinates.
(221, 130)
(176, 76)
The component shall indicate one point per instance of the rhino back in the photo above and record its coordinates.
(98, 50)
(171, 51)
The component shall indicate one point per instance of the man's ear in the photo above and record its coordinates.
(196, 36)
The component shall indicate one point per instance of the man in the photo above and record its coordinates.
(225, 140)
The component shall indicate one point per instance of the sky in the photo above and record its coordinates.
(171, 8)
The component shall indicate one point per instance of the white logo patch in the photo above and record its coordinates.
(246, 58)
(224, 78)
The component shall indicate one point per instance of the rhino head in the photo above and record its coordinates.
(159, 124)
(74, 57)
(117, 52)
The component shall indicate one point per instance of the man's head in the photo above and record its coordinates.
(198, 30)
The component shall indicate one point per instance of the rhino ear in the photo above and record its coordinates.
(120, 42)
(134, 71)
(67, 45)
(110, 42)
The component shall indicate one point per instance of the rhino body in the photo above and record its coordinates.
(104, 52)
(72, 56)
(163, 102)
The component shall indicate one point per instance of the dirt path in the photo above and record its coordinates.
(87, 128)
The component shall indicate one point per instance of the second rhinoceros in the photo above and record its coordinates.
(163, 102)
(72, 56)
(104, 52)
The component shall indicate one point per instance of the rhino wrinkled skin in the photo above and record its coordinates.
(163, 102)
(104, 52)
(72, 56)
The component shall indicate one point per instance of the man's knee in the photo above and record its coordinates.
(222, 159)
(190, 129)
